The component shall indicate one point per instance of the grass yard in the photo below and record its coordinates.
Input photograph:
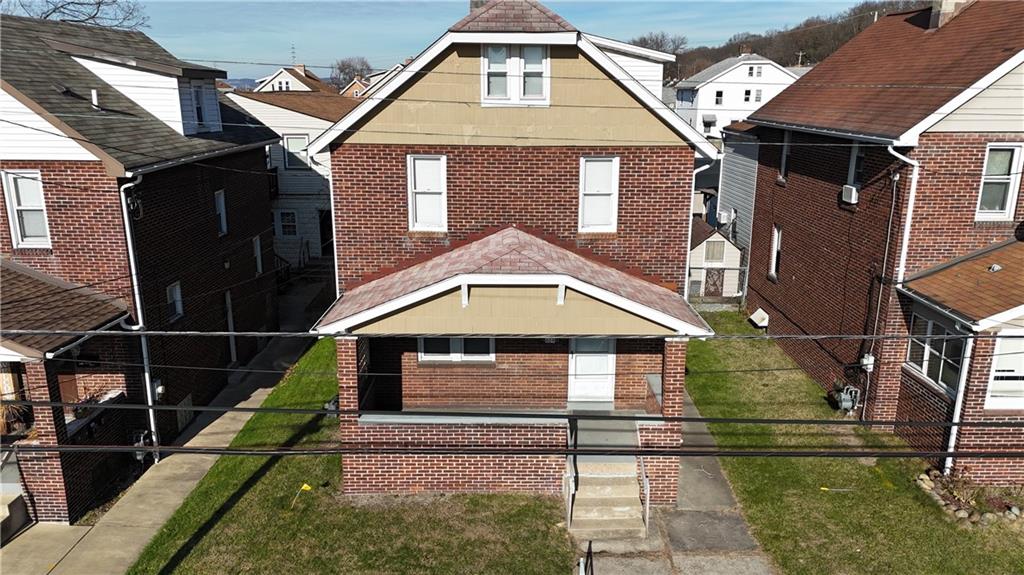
(879, 523)
(238, 519)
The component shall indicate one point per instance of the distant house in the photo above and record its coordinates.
(356, 87)
(714, 264)
(729, 91)
(295, 78)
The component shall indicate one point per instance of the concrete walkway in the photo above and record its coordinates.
(118, 538)
(705, 534)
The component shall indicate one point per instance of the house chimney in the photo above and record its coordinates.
(300, 68)
(476, 4)
(945, 10)
(744, 49)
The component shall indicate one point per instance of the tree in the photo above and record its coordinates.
(127, 14)
(346, 69)
(661, 41)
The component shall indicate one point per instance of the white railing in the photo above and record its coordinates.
(646, 482)
(570, 482)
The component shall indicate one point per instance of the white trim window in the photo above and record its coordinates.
(599, 194)
(855, 170)
(456, 349)
(757, 95)
(295, 155)
(286, 223)
(759, 71)
(719, 97)
(750, 71)
(1006, 382)
(427, 180)
(746, 95)
(513, 75)
(714, 252)
(26, 208)
(933, 354)
(175, 306)
(221, 209)
(775, 258)
(257, 254)
(1000, 182)
(784, 162)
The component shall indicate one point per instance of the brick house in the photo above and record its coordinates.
(486, 206)
(125, 176)
(888, 202)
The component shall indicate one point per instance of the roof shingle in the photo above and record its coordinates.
(512, 16)
(323, 105)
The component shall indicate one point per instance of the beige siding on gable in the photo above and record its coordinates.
(587, 109)
(998, 108)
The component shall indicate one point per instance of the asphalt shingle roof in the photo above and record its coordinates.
(717, 68)
(512, 16)
(323, 105)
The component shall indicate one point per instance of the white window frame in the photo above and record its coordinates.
(1016, 166)
(199, 106)
(773, 259)
(750, 71)
(12, 209)
(613, 226)
(173, 293)
(257, 253)
(410, 198)
(515, 78)
(852, 177)
(934, 326)
(1014, 403)
(707, 252)
(304, 153)
(455, 352)
(719, 97)
(747, 95)
(279, 223)
(220, 208)
(757, 95)
(759, 71)
(784, 164)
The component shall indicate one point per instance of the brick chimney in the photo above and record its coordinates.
(476, 4)
(945, 10)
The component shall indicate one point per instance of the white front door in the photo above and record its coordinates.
(592, 370)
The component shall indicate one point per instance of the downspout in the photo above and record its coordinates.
(958, 405)
(147, 377)
(901, 270)
(689, 226)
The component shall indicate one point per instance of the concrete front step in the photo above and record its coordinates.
(607, 467)
(615, 528)
(605, 511)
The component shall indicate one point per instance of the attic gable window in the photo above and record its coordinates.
(202, 101)
(515, 75)
(1000, 181)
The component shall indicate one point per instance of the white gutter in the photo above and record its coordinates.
(689, 226)
(80, 341)
(140, 171)
(147, 383)
(961, 387)
(901, 270)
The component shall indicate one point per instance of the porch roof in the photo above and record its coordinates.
(512, 256)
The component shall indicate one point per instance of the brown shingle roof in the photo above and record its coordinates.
(511, 251)
(897, 71)
(312, 81)
(967, 287)
(512, 16)
(330, 107)
(30, 299)
(701, 231)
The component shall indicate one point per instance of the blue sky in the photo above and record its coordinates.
(387, 32)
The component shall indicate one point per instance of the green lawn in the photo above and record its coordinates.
(882, 524)
(238, 519)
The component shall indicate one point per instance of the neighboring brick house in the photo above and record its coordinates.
(125, 174)
(486, 207)
(889, 202)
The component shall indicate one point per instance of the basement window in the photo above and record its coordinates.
(1000, 181)
(456, 349)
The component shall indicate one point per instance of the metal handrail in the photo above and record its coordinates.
(646, 482)
(571, 479)
(587, 561)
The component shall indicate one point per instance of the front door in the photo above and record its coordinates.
(592, 370)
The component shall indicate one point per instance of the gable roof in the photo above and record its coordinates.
(512, 16)
(718, 68)
(325, 106)
(511, 252)
(890, 80)
(701, 231)
(33, 300)
(311, 80)
(40, 71)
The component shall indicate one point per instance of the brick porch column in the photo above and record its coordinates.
(42, 474)
(664, 471)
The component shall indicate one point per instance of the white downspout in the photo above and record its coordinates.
(958, 405)
(147, 377)
(901, 270)
(689, 226)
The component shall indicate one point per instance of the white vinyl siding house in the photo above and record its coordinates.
(32, 137)
(738, 188)
(281, 81)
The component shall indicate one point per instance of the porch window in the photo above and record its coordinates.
(933, 354)
(428, 194)
(23, 191)
(295, 155)
(1000, 181)
(599, 194)
(1006, 383)
(456, 349)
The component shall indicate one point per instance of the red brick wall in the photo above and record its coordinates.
(490, 186)
(42, 473)
(663, 472)
(633, 359)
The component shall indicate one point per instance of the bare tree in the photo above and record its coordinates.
(661, 41)
(127, 14)
(348, 68)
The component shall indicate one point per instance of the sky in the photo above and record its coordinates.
(386, 32)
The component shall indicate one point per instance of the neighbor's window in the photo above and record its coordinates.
(718, 98)
(784, 165)
(757, 95)
(934, 354)
(26, 208)
(776, 255)
(456, 349)
(1006, 383)
(428, 202)
(1000, 182)
(855, 172)
(746, 95)
(257, 253)
(599, 194)
(222, 212)
(287, 223)
(198, 104)
(714, 251)
(175, 308)
(759, 71)
(515, 75)
(295, 155)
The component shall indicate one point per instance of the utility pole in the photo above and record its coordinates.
(293, 53)
(800, 58)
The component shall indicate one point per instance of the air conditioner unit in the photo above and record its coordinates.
(850, 194)
(725, 218)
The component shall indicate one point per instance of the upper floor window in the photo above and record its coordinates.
(515, 75)
(26, 208)
(456, 349)
(1006, 383)
(746, 95)
(935, 353)
(200, 106)
(719, 96)
(750, 71)
(175, 307)
(599, 194)
(855, 171)
(295, 155)
(287, 223)
(757, 95)
(221, 210)
(775, 259)
(758, 70)
(428, 193)
(784, 162)
(257, 254)
(1000, 182)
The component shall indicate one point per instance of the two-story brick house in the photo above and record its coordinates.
(512, 221)
(125, 176)
(888, 203)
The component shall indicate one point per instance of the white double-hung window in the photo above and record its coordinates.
(599, 194)
(515, 75)
(936, 352)
(26, 208)
(1006, 383)
(295, 155)
(1000, 182)
(428, 193)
